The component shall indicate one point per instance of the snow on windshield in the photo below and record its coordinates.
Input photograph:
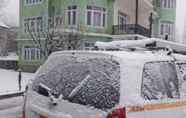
(160, 81)
(87, 81)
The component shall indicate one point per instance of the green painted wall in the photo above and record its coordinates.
(26, 11)
(164, 14)
(50, 8)
(58, 7)
(61, 5)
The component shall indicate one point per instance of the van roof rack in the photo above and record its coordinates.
(148, 44)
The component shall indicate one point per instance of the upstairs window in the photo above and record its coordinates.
(96, 16)
(72, 12)
(34, 24)
(30, 2)
(168, 3)
(167, 28)
(122, 19)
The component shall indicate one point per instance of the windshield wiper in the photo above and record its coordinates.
(77, 88)
(46, 91)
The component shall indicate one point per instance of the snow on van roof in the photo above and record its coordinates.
(123, 44)
(144, 56)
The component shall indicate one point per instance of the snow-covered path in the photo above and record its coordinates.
(11, 108)
(9, 80)
(11, 113)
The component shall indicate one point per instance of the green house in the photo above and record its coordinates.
(164, 22)
(98, 20)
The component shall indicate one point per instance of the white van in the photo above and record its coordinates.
(109, 84)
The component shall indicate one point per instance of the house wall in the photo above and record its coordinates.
(128, 7)
(49, 8)
(27, 11)
(164, 14)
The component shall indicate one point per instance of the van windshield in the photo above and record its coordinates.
(86, 81)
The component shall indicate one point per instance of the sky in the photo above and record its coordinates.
(11, 14)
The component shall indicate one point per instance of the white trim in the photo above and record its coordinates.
(92, 11)
(30, 4)
(172, 4)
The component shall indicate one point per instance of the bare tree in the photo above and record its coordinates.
(54, 37)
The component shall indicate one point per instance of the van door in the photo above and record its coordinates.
(160, 89)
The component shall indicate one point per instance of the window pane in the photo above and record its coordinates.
(89, 18)
(74, 17)
(69, 18)
(103, 20)
(97, 19)
(160, 81)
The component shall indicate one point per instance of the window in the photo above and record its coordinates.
(182, 78)
(31, 53)
(167, 28)
(84, 80)
(55, 21)
(34, 24)
(26, 25)
(30, 2)
(160, 81)
(72, 12)
(96, 16)
(168, 3)
(122, 19)
(88, 45)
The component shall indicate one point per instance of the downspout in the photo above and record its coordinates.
(136, 18)
(150, 28)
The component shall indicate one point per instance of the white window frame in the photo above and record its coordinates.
(33, 2)
(71, 11)
(28, 55)
(164, 31)
(92, 11)
(35, 20)
(167, 4)
(124, 17)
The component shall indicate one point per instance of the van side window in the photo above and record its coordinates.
(160, 81)
(182, 79)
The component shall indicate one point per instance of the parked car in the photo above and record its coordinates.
(108, 84)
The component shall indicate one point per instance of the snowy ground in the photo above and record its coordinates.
(9, 81)
(11, 108)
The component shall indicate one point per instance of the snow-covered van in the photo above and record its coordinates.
(109, 84)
